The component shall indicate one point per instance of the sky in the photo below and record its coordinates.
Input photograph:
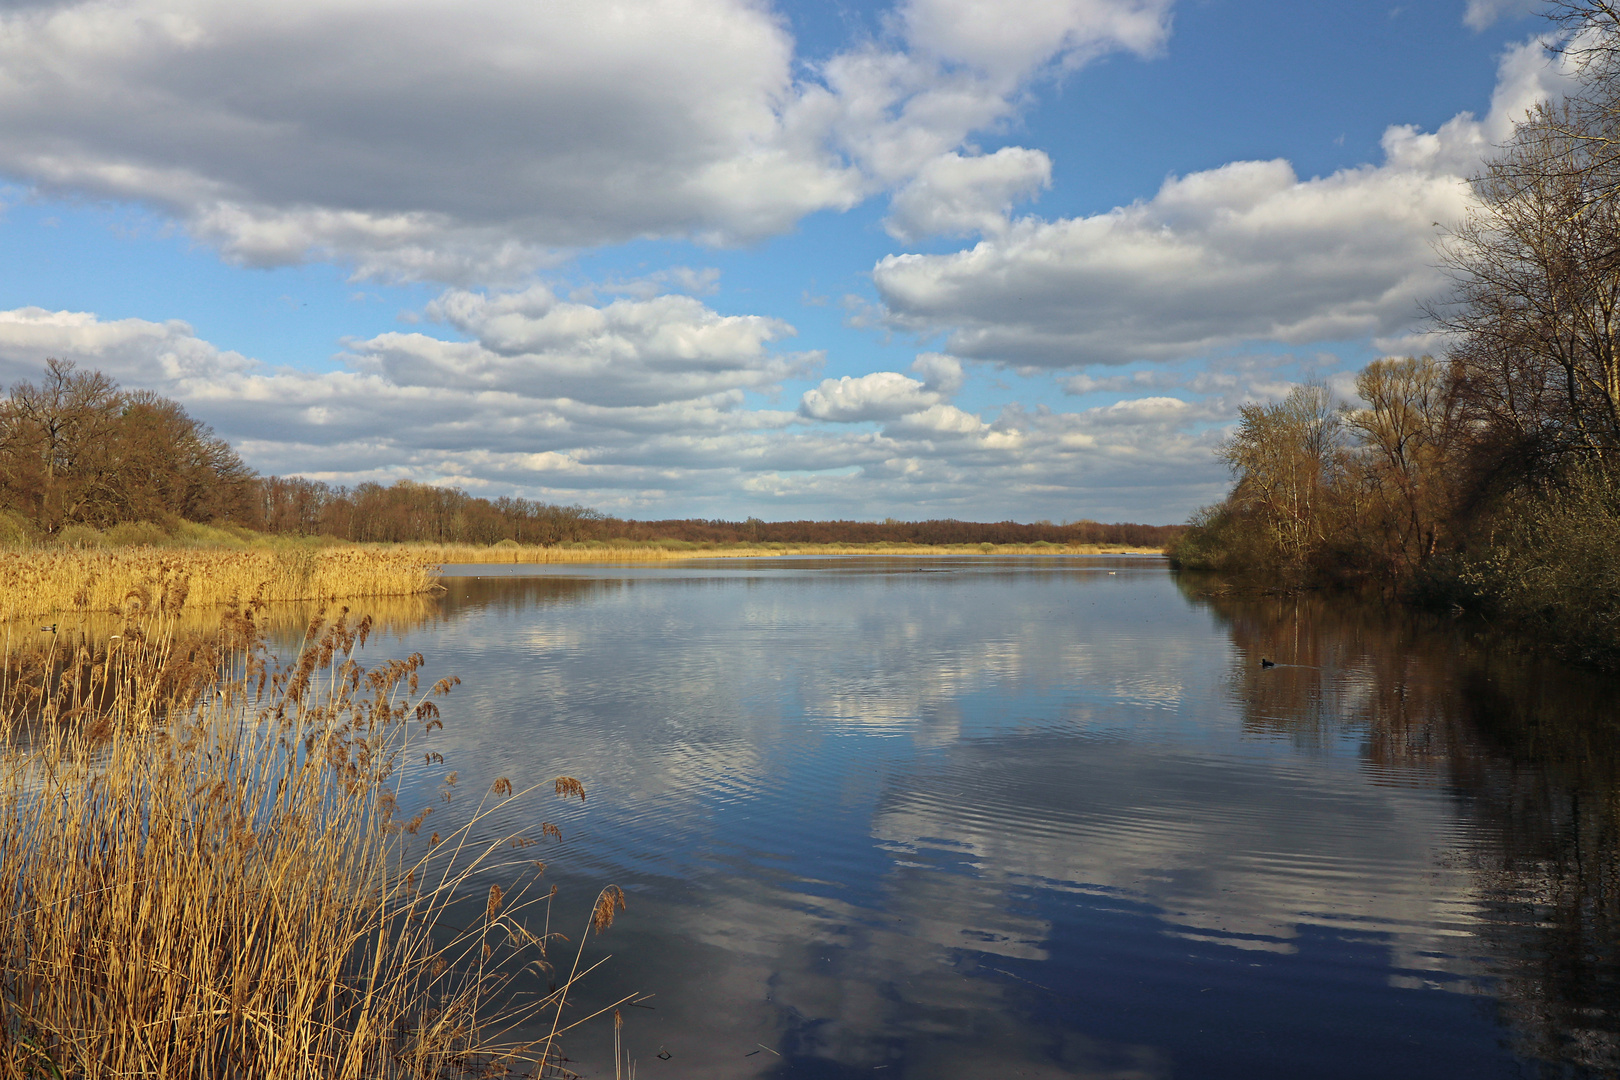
(731, 258)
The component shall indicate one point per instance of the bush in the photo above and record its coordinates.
(135, 534)
(14, 530)
(1549, 567)
(1222, 538)
(196, 534)
(78, 536)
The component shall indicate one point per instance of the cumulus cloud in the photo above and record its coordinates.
(648, 408)
(627, 352)
(424, 141)
(1245, 252)
(955, 195)
(882, 395)
(909, 409)
(414, 134)
(943, 421)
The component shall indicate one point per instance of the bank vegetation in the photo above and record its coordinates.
(1485, 479)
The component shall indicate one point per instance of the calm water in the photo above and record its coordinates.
(1043, 818)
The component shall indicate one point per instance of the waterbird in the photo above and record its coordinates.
(1267, 663)
(51, 629)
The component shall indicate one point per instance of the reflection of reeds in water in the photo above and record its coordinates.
(274, 621)
(41, 583)
(208, 875)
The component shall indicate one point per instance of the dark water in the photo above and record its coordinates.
(1048, 817)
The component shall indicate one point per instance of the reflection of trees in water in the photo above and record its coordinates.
(1531, 751)
(511, 595)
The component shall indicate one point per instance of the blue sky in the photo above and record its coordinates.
(721, 258)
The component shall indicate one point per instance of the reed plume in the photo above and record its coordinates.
(207, 872)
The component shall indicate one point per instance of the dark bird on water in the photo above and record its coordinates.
(1267, 663)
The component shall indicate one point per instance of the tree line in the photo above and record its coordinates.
(890, 531)
(77, 450)
(1487, 478)
(77, 453)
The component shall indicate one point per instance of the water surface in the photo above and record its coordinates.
(1042, 817)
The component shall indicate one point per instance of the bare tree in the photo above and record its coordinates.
(54, 440)
(1406, 434)
(1536, 310)
(76, 450)
(1286, 457)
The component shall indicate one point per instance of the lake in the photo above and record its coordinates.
(1044, 817)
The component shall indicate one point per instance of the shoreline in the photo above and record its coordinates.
(560, 554)
(51, 583)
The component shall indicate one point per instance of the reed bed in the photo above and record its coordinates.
(663, 551)
(22, 642)
(207, 873)
(43, 583)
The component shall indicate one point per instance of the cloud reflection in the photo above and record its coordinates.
(871, 816)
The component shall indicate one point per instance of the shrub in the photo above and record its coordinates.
(136, 534)
(77, 536)
(14, 529)
(1549, 566)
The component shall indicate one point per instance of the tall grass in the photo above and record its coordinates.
(43, 583)
(206, 873)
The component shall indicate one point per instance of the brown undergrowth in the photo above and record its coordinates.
(205, 872)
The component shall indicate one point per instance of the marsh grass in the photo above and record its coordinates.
(207, 874)
(48, 583)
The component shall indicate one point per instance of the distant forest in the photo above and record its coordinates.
(409, 511)
(78, 453)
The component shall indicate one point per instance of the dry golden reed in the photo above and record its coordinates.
(45, 583)
(207, 873)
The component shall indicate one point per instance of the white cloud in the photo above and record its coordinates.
(911, 409)
(167, 353)
(1481, 14)
(418, 138)
(955, 196)
(941, 374)
(985, 34)
(936, 421)
(882, 395)
(424, 140)
(1245, 252)
(626, 352)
